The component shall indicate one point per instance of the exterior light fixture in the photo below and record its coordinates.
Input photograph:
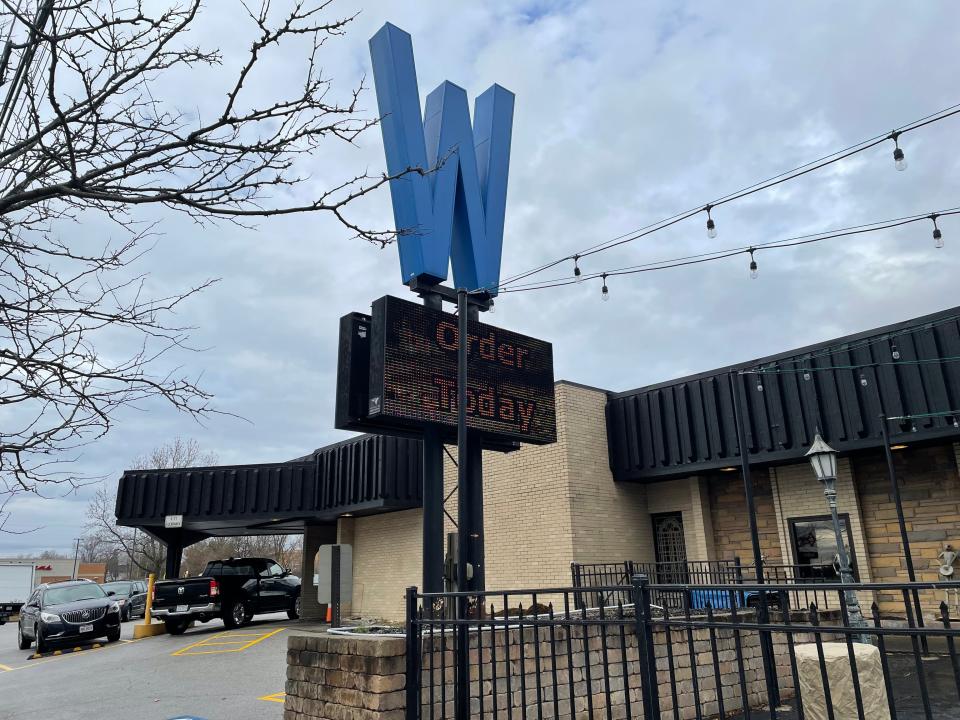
(577, 273)
(898, 447)
(753, 266)
(604, 293)
(937, 235)
(863, 380)
(823, 460)
(894, 352)
(899, 159)
(728, 469)
(711, 225)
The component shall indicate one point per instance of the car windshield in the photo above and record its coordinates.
(119, 588)
(72, 593)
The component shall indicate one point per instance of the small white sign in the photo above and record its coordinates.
(173, 521)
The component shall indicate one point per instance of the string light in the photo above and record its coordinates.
(759, 385)
(491, 308)
(863, 380)
(806, 374)
(711, 225)
(899, 160)
(937, 235)
(576, 268)
(604, 293)
(754, 271)
(758, 186)
(894, 352)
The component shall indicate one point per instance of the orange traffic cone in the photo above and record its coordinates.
(329, 613)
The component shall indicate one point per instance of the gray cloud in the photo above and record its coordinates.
(626, 113)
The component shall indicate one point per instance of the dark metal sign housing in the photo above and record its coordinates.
(413, 375)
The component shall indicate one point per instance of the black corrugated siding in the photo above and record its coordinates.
(364, 471)
(688, 426)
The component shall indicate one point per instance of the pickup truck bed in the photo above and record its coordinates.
(234, 590)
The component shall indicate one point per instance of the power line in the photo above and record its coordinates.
(778, 179)
(752, 250)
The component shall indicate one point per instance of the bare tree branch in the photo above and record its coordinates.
(83, 130)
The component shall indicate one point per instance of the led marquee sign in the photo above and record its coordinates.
(413, 374)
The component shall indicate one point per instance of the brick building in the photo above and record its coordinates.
(651, 474)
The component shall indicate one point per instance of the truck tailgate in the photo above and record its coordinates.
(189, 591)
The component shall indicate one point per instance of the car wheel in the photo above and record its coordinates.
(113, 635)
(23, 641)
(176, 627)
(236, 615)
(42, 645)
(294, 612)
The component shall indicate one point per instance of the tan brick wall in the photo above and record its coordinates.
(930, 493)
(798, 494)
(544, 506)
(386, 560)
(731, 530)
(610, 520)
(690, 497)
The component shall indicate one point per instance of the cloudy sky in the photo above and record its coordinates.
(626, 113)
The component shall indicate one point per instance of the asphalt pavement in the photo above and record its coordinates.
(208, 672)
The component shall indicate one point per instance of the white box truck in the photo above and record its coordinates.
(16, 584)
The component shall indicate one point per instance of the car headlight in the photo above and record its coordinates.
(49, 617)
(114, 607)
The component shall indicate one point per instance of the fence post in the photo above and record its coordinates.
(577, 583)
(413, 656)
(738, 579)
(650, 693)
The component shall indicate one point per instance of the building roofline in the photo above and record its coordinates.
(854, 337)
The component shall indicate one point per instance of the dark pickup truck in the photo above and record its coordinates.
(234, 590)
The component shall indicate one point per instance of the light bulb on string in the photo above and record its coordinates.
(759, 383)
(604, 292)
(491, 308)
(711, 225)
(956, 423)
(937, 235)
(894, 352)
(863, 380)
(899, 159)
(576, 269)
(806, 374)
(754, 271)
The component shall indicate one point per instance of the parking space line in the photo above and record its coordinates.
(5, 668)
(220, 640)
(275, 697)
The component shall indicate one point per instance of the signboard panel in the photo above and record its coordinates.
(413, 374)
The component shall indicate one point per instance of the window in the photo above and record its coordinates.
(273, 570)
(815, 547)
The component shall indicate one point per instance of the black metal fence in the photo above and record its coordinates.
(591, 578)
(528, 654)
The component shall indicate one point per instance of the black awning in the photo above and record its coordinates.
(687, 426)
(361, 476)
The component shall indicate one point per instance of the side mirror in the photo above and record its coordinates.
(111, 593)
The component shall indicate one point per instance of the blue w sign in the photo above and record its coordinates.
(454, 214)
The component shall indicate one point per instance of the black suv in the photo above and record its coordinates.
(75, 610)
(131, 596)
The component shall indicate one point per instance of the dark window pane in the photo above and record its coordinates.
(815, 547)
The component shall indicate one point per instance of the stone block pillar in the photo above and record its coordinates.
(331, 676)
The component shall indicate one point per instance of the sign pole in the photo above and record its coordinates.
(432, 463)
(462, 706)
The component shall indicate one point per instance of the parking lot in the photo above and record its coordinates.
(209, 672)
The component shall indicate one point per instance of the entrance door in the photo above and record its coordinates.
(670, 548)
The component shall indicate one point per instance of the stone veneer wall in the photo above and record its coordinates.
(731, 530)
(930, 493)
(338, 678)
